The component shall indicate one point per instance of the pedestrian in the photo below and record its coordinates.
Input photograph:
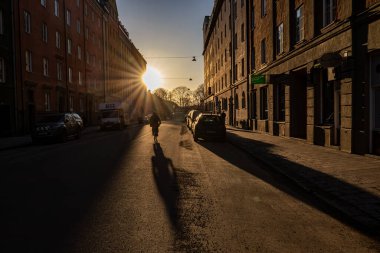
(223, 114)
(154, 123)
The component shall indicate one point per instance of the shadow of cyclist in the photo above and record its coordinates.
(166, 181)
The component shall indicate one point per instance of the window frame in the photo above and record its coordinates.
(263, 51)
(280, 39)
(264, 103)
(56, 8)
(27, 22)
(44, 32)
(329, 12)
(28, 61)
(300, 24)
(45, 66)
(263, 8)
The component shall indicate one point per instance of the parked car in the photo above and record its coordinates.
(191, 116)
(79, 120)
(60, 126)
(209, 126)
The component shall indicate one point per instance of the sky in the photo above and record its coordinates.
(168, 28)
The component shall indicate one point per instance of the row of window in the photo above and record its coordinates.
(47, 103)
(45, 65)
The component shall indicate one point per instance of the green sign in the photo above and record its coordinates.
(258, 79)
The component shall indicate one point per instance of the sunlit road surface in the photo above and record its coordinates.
(117, 191)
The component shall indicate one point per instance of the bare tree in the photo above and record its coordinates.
(199, 94)
(162, 93)
(181, 96)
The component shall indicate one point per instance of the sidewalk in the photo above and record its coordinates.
(350, 183)
(26, 140)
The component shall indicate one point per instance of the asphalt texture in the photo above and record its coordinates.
(118, 191)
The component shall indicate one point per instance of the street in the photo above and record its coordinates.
(117, 191)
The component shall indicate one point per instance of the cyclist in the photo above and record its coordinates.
(155, 122)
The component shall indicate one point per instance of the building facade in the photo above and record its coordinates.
(225, 68)
(7, 84)
(68, 58)
(313, 71)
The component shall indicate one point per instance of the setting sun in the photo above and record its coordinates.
(152, 78)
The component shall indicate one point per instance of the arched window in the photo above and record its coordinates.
(236, 101)
(243, 100)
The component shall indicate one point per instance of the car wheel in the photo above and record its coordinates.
(64, 136)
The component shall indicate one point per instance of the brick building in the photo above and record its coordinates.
(313, 70)
(7, 84)
(68, 57)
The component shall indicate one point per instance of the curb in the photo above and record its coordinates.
(343, 208)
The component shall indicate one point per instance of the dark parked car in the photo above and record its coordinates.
(59, 127)
(209, 126)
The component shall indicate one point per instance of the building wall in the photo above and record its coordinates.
(96, 63)
(7, 84)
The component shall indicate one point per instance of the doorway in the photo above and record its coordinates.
(298, 105)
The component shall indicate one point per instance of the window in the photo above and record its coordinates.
(1, 22)
(47, 101)
(28, 61)
(263, 103)
(263, 51)
(280, 102)
(327, 102)
(59, 71)
(68, 17)
(43, 3)
(79, 53)
(71, 103)
(242, 32)
(56, 8)
(78, 3)
(86, 33)
(2, 70)
(242, 68)
(44, 33)
(299, 24)
(253, 63)
(280, 39)
(27, 22)
(70, 75)
(329, 11)
(80, 78)
(78, 26)
(45, 64)
(87, 58)
(57, 39)
(236, 101)
(263, 8)
(69, 46)
(242, 3)
(253, 105)
(85, 9)
(243, 100)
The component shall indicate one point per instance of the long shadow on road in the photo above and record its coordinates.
(45, 197)
(285, 184)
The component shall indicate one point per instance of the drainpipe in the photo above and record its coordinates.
(66, 62)
(248, 58)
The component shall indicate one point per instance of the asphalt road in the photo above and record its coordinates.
(117, 191)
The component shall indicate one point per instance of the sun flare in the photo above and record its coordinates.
(152, 78)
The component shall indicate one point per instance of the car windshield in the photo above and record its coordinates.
(195, 114)
(110, 114)
(211, 119)
(50, 119)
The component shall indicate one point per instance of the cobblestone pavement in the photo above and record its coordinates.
(350, 183)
